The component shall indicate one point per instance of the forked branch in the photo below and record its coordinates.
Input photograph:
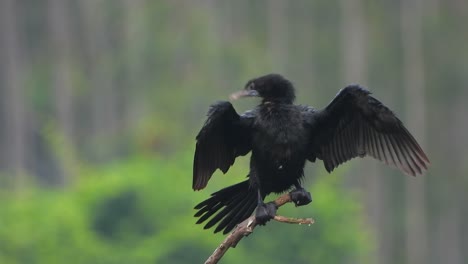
(247, 226)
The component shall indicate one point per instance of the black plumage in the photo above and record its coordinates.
(282, 136)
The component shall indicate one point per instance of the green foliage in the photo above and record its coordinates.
(140, 211)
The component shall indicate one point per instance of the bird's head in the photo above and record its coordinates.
(270, 87)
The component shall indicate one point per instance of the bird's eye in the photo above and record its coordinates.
(251, 86)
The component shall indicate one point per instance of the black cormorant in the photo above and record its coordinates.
(282, 136)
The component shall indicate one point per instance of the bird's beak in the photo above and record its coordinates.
(243, 93)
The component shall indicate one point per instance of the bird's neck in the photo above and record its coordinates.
(271, 110)
(276, 101)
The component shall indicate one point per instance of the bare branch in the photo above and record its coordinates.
(247, 226)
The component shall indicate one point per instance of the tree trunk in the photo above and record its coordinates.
(354, 41)
(103, 107)
(61, 38)
(134, 37)
(278, 35)
(15, 126)
(355, 70)
(413, 82)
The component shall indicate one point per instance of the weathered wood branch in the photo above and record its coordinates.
(246, 228)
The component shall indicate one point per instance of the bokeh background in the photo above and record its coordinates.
(100, 102)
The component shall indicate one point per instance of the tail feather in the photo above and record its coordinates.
(205, 214)
(234, 217)
(209, 209)
(241, 217)
(229, 206)
(224, 214)
(228, 214)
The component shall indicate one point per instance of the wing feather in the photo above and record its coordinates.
(355, 124)
(224, 136)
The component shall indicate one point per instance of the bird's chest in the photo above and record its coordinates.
(279, 137)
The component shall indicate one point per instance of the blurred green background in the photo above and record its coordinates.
(100, 102)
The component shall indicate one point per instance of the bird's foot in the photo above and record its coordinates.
(300, 197)
(265, 212)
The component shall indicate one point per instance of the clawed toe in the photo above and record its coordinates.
(300, 197)
(265, 212)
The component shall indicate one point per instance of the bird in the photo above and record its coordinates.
(282, 137)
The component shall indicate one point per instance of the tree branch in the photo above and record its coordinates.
(246, 227)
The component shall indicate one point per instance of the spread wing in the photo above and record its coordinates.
(224, 136)
(356, 124)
